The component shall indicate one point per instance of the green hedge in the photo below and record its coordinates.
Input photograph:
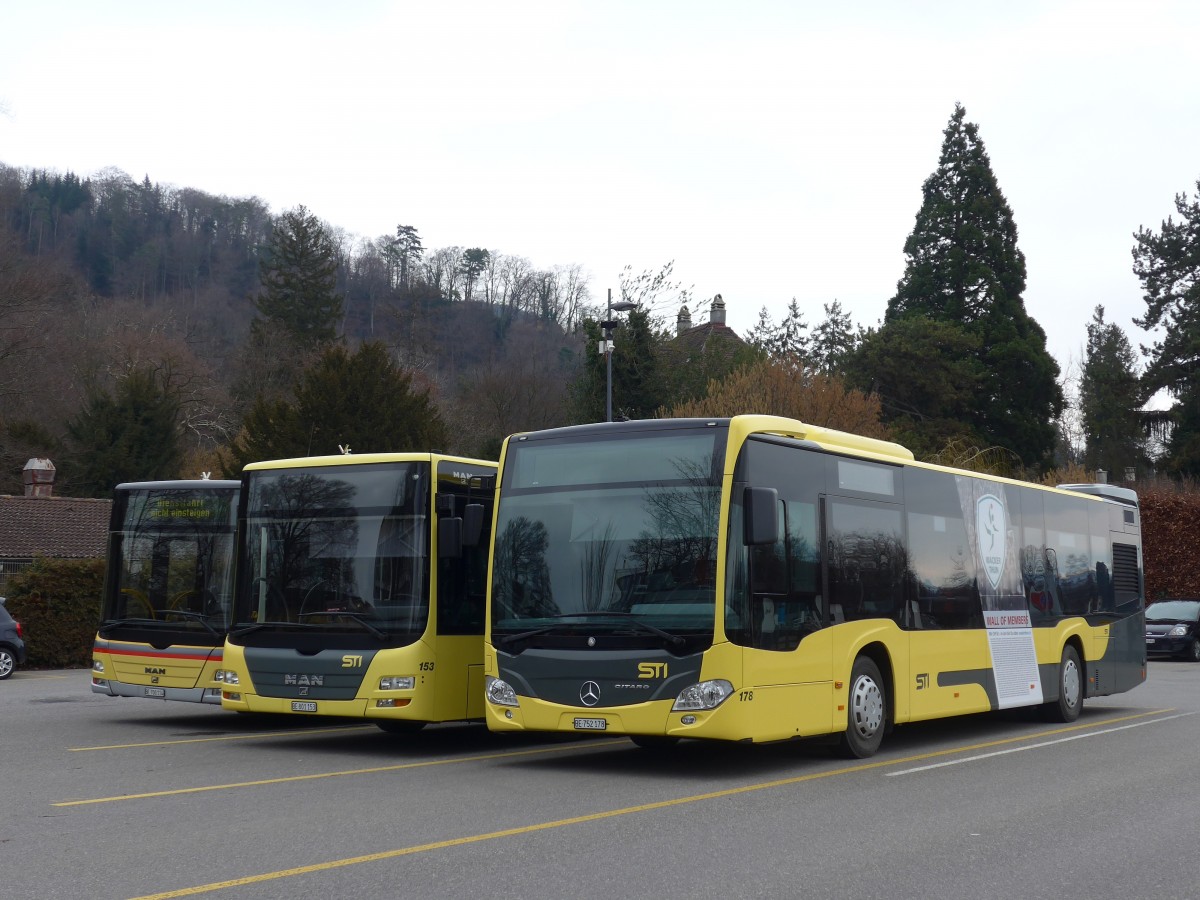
(57, 602)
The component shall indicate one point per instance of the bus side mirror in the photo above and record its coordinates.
(472, 527)
(450, 538)
(760, 522)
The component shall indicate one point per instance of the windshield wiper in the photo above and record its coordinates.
(674, 640)
(259, 626)
(195, 616)
(360, 618)
(117, 623)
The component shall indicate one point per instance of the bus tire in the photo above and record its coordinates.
(866, 709)
(654, 741)
(1070, 689)
(399, 726)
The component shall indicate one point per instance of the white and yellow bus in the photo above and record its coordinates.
(167, 590)
(361, 584)
(759, 579)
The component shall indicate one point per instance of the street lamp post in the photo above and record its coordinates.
(606, 345)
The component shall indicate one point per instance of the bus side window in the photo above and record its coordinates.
(867, 564)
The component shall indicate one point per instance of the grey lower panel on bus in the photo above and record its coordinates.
(289, 674)
(1123, 666)
(986, 679)
(600, 678)
(982, 677)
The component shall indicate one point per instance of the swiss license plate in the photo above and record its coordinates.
(1149, 640)
(304, 706)
(155, 692)
(591, 724)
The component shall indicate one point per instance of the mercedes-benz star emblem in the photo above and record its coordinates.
(589, 694)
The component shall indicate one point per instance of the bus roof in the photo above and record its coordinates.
(351, 459)
(182, 484)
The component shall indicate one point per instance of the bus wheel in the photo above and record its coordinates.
(399, 726)
(867, 710)
(1070, 689)
(654, 741)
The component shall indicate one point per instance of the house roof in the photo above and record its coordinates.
(61, 527)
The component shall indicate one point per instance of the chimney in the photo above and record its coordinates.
(38, 476)
(684, 322)
(718, 311)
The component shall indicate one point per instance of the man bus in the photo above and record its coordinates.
(361, 583)
(759, 579)
(167, 590)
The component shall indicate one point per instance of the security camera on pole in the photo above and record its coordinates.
(606, 344)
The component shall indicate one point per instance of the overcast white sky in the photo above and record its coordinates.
(771, 149)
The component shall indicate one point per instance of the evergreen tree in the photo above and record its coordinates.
(299, 277)
(790, 341)
(358, 400)
(833, 340)
(637, 389)
(131, 435)
(760, 335)
(963, 267)
(474, 261)
(927, 375)
(1109, 400)
(1168, 265)
(408, 251)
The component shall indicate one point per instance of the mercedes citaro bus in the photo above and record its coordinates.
(758, 579)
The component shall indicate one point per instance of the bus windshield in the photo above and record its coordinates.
(341, 549)
(170, 561)
(613, 548)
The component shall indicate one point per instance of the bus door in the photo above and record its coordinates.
(777, 590)
(462, 589)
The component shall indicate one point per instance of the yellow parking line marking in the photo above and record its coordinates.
(507, 754)
(223, 737)
(614, 813)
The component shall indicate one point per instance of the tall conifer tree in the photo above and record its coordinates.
(963, 268)
(1109, 400)
(1168, 265)
(299, 279)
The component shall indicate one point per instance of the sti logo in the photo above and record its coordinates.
(652, 670)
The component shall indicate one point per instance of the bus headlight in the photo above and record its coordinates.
(500, 692)
(98, 666)
(705, 695)
(398, 683)
(226, 676)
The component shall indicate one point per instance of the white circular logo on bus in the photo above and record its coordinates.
(589, 694)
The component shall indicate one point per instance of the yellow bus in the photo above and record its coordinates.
(361, 583)
(759, 579)
(167, 590)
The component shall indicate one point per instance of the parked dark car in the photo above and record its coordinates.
(12, 643)
(1173, 629)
